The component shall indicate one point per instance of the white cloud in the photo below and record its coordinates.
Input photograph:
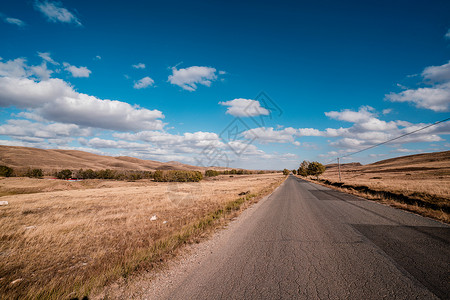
(143, 83)
(309, 132)
(46, 56)
(139, 66)
(348, 115)
(387, 111)
(14, 68)
(77, 71)
(269, 135)
(436, 98)
(437, 73)
(37, 131)
(189, 78)
(97, 57)
(56, 100)
(447, 35)
(14, 21)
(245, 108)
(55, 12)
(41, 71)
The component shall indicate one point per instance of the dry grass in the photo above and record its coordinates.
(75, 238)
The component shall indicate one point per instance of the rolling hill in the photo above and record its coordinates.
(21, 158)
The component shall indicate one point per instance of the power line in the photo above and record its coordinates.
(393, 139)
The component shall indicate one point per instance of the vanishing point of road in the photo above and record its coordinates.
(306, 241)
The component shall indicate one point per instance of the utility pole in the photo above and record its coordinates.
(339, 169)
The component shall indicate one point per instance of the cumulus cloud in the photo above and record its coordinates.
(435, 97)
(143, 83)
(437, 73)
(269, 135)
(77, 71)
(447, 35)
(55, 12)
(139, 66)
(348, 115)
(189, 78)
(245, 108)
(26, 128)
(56, 100)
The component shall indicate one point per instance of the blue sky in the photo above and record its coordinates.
(178, 80)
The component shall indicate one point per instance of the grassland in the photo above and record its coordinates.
(418, 183)
(65, 239)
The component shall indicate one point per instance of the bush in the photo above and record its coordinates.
(294, 172)
(6, 171)
(177, 176)
(211, 173)
(34, 173)
(286, 172)
(64, 174)
(105, 174)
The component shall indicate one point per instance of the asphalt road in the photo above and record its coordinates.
(306, 241)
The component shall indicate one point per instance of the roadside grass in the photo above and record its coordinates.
(70, 244)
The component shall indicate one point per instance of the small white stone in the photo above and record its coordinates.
(3, 202)
(154, 218)
(164, 222)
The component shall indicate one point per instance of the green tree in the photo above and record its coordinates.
(303, 169)
(315, 169)
(6, 171)
(64, 174)
(36, 173)
(286, 172)
(294, 172)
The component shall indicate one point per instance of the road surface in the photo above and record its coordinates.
(306, 241)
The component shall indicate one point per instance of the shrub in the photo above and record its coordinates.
(177, 176)
(6, 171)
(35, 173)
(105, 174)
(294, 172)
(64, 174)
(286, 172)
(211, 173)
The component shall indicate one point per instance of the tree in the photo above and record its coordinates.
(294, 171)
(64, 174)
(315, 169)
(303, 169)
(36, 173)
(6, 171)
(286, 172)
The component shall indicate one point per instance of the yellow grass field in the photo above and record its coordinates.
(64, 239)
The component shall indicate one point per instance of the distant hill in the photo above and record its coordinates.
(424, 161)
(48, 160)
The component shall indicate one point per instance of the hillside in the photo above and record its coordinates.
(48, 160)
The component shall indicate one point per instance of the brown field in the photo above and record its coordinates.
(65, 239)
(424, 176)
